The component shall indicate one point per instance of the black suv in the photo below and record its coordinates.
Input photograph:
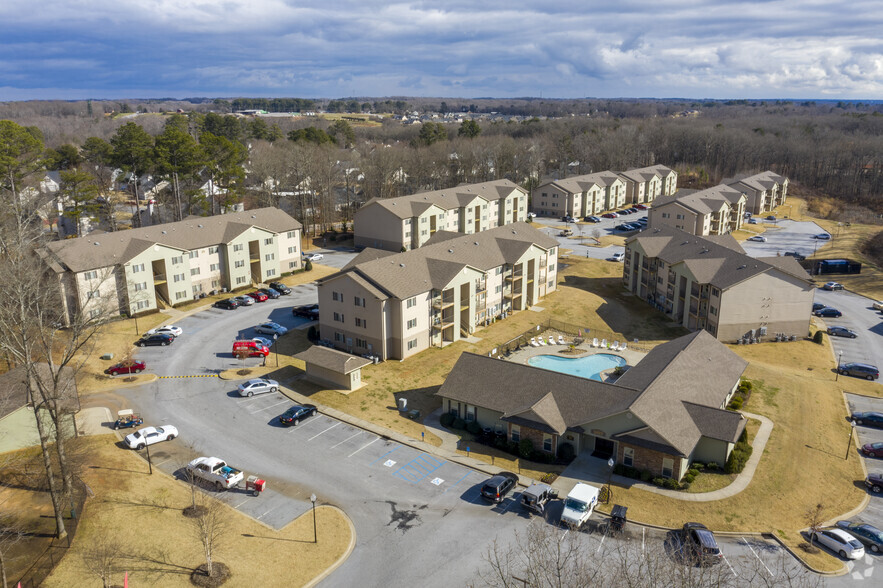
(795, 255)
(859, 370)
(228, 303)
(310, 311)
(496, 489)
(700, 547)
(156, 339)
(270, 292)
(280, 287)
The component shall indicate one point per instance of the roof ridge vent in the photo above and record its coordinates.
(743, 266)
(450, 250)
(401, 265)
(163, 232)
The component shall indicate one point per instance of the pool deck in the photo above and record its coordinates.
(582, 350)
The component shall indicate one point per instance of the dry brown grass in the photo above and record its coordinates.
(144, 515)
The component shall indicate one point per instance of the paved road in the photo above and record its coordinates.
(859, 316)
(605, 227)
(786, 235)
(864, 569)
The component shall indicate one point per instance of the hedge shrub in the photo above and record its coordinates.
(473, 427)
(525, 448)
(646, 476)
(458, 423)
(446, 419)
(819, 337)
(566, 452)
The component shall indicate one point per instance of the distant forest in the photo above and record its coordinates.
(829, 150)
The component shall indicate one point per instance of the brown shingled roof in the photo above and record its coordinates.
(446, 199)
(336, 361)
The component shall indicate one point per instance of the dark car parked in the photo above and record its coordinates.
(227, 303)
(592, 219)
(874, 482)
(310, 311)
(842, 332)
(859, 370)
(296, 414)
(270, 292)
(873, 449)
(818, 306)
(870, 535)
(496, 489)
(828, 312)
(700, 546)
(871, 419)
(280, 287)
(795, 255)
(156, 339)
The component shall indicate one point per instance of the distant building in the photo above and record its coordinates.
(764, 191)
(714, 211)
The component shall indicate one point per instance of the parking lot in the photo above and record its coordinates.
(584, 231)
(860, 317)
(785, 235)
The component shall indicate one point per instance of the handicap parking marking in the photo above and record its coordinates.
(437, 481)
(389, 463)
(385, 454)
(419, 468)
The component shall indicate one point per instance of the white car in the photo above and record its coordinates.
(168, 330)
(758, 238)
(822, 237)
(314, 257)
(878, 305)
(150, 435)
(244, 300)
(257, 386)
(274, 329)
(840, 542)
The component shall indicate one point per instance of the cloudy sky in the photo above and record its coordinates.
(70, 49)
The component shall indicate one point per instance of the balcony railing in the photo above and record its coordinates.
(159, 278)
(440, 302)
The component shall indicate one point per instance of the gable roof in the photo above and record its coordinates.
(675, 393)
(712, 261)
(584, 183)
(108, 249)
(450, 198)
(435, 264)
(760, 182)
(336, 361)
(702, 201)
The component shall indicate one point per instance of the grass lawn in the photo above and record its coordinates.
(711, 480)
(142, 515)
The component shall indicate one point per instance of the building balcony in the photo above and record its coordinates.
(159, 278)
(480, 287)
(443, 302)
(442, 322)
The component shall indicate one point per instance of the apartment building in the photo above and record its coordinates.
(408, 222)
(646, 184)
(764, 191)
(715, 211)
(393, 305)
(135, 271)
(710, 283)
(663, 414)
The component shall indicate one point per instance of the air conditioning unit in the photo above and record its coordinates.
(762, 331)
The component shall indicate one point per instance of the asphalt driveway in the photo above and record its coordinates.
(858, 316)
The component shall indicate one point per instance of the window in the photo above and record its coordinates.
(407, 234)
(241, 280)
(292, 234)
(178, 260)
(412, 302)
(628, 456)
(361, 322)
(91, 275)
(499, 271)
(551, 267)
(423, 220)
(407, 222)
(292, 249)
(668, 466)
(424, 232)
(194, 271)
(269, 257)
(338, 317)
(141, 286)
(292, 264)
(271, 272)
(194, 254)
(715, 292)
(212, 250)
(547, 443)
(338, 337)
(197, 288)
(180, 295)
(361, 343)
(713, 310)
(516, 433)
(94, 294)
(412, 344)
(359, 301)
(336, 296)
(666, 215)
(215, 283)
(238, 247)
(142, 304)
(551, 283)
(680, 217)
(179, 277)
(470, 413)
(498, 289)
(412, 323)
(215, 267)
(268, 241)
(137, 268)
(239, 263)
(94, 313)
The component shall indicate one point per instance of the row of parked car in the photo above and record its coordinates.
(275, 290)
(612, 214)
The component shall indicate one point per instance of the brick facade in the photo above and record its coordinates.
(648, 459)
(536, 438)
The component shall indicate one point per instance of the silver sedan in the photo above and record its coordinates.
(257, 386)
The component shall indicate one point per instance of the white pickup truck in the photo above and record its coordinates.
(214, 471)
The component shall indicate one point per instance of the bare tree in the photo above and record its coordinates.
(210, 528)
(815, 519)
(11, 532)
(103, 559)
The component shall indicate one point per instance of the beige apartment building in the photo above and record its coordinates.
(135, 271)
(407, 222)
(764, 191)
(710, 283)
(715, 211)
(646, 184)
(393, 305)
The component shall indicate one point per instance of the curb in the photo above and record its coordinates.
(345, 556)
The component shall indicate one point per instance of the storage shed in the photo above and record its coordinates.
(334, 368)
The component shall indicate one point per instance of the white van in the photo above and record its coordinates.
(579, 504)
(617, 256)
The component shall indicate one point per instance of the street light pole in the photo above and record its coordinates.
(839, 360)
(315, 534)
(610, 462)
(851, 435)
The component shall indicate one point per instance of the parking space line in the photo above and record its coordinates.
(363, 446)
(347, 439)
(325, 431)
(267, 407)
(458, 481)
(384, 455)
(772, 575)
(308, 422)
(729, 566)
(601, 544)
(240, 504)
(514, 501)
(422, 466)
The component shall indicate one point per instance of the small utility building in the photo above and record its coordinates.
(330, 367)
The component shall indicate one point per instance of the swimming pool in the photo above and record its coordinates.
(589, 366)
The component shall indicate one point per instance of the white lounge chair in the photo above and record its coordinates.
(541, 341)
(533, 342)
(561, 340)
(604, 343)
(551, 340)
(615, 346)
(623, 347)
(595, 342)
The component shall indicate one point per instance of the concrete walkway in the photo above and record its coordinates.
(450, 441)
(596, 472)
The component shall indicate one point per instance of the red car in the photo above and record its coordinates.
(640, 207)
(610, 215)
(259, 296)
(125, 367)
